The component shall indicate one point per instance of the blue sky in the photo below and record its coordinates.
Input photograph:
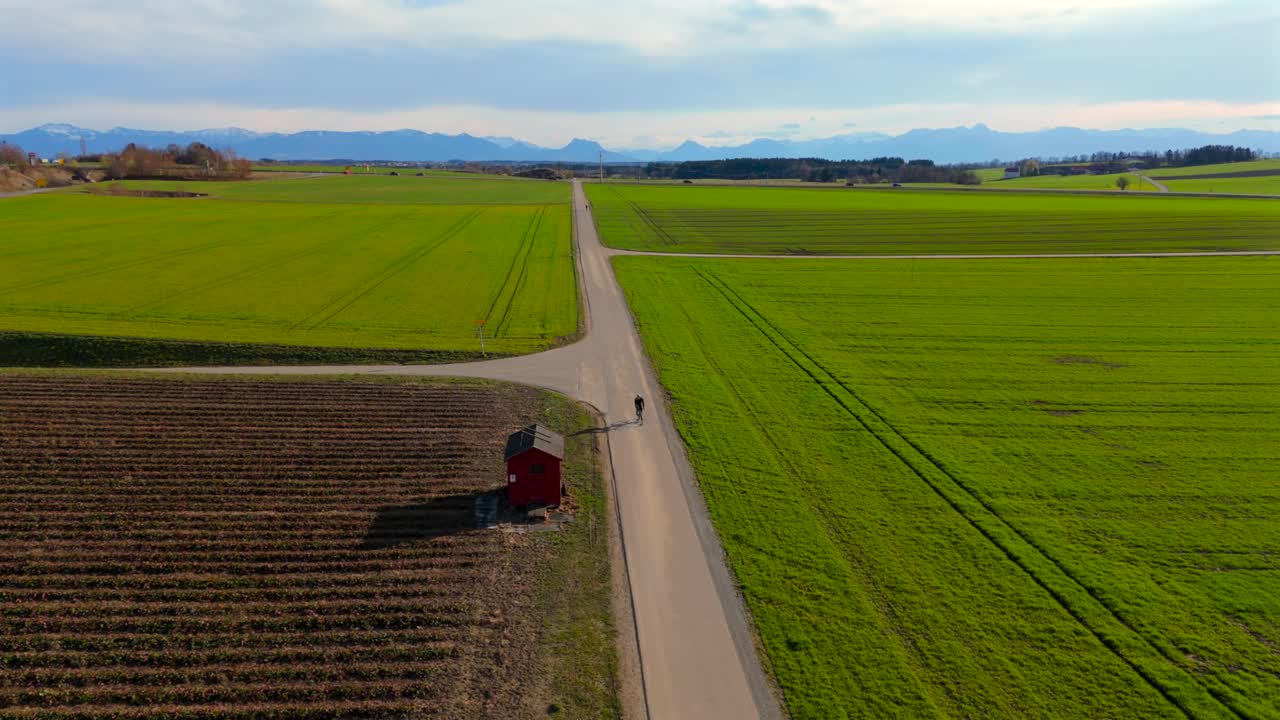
(641, 73)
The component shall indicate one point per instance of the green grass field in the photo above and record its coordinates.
(989, 489)
(1222, 168)
(301, 264)
(1072, 182)
(375, 189)
(1191, 179)
(1263, 185)
(803, 221)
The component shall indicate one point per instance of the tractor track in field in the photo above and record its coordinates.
(335, 307)
(103, 269)
(791, 350)
(520, 257)
(224, 280)
(884, 606)
(643, 214)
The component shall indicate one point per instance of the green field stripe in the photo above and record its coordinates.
(331, 309)
(646, 219)
(83, 231)
(909, 651)
(526, 241)
(104, 269)
(524, 271)
(248, 272)
(1145, 657)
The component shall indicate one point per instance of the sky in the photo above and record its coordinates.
(641, 73)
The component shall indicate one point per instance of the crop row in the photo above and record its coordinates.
(195, 621)
(50, 646)
(440, 601)
(424, 646)
(413, 665)
(268, 393)
(280, 692)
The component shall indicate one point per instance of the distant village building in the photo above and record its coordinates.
(1011, 173)
(533, 466)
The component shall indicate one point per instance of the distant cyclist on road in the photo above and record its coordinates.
(639, 409)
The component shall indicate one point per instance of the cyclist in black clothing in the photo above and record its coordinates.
(639, 409)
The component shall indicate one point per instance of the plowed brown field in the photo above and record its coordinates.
(259, 549)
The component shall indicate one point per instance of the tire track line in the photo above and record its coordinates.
(524, 271)
(875, 593)
(104, 269)
(791, 350)
(227, 279)
(644, 217)
(331, 309)
(526, 242)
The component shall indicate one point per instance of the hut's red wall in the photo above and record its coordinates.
(529, 488)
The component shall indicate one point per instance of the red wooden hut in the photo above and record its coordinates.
(533, 466)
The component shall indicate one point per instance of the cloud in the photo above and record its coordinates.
(743, 60)
(890, 70)
(652, 27)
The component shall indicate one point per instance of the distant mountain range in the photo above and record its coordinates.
(978, 143)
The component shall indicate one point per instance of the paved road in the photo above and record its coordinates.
(1155, 183)
(697, 653)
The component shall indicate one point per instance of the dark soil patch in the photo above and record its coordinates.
(539, 174)
(1086, 360)
(232, 536)
(126, 192)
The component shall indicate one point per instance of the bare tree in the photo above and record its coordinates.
(12, 155)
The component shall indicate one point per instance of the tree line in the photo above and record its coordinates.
(195, 161)
(12, 155)
(1114, 162)
(852, 172)
(897, 170)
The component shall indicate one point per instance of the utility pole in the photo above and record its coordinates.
(602, 166)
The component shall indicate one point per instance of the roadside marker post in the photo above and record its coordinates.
(480, 332)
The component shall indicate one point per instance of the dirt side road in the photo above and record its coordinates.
(698, 658)
(1159, 186)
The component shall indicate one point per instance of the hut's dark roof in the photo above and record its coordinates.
(535, 437)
